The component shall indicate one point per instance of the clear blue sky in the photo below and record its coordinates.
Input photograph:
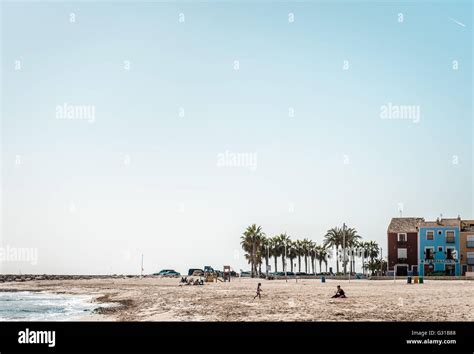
(75, 200)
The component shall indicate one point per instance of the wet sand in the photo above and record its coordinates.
(155, 299)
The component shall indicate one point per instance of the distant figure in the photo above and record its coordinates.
(340, 293)
(259, 290)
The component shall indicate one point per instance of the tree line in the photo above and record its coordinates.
(259, 248)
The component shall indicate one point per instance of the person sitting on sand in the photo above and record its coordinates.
(340, 293)
(259, 290)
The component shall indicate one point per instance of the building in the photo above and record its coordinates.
(439, 247)
(402, 237)
(467, 246)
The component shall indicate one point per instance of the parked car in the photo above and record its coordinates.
(300, 273)
(171, 274)
(209, 269)
(245, 274)
(282, 274)
(163, 271)
(198, 273)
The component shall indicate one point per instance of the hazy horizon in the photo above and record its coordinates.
(167, 128)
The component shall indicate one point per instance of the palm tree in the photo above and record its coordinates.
(373, 250)
(265, 250)
(246, 243)
(352, 239)
(305, 249)
(275, 250)
(250, 241)
(320, 255)
(376, 264)
(259, 260)
(292, 254)
(326, 256)
(299, 252)
(312, 254)
(284, 243)
(333, 238)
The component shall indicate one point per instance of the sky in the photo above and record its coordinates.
(206, 117)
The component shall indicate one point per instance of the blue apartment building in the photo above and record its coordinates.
(439, 247)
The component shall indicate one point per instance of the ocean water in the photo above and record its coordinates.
(40, 306)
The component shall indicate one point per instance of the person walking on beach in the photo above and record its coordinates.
(259, 290)
(340, 293)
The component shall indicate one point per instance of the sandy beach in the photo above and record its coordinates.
(155, 299)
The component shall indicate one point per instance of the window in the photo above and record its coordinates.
(403, 237)
(450, 237)
(429, 235)
(470, 241)
(440, 232)
(402, 253)
(449, 253)
(470, 258)
(429, 252)
(440, 249)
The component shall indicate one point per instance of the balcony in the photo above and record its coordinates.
(470, 261)
(450, 239)
(470, 244)
(402, 260)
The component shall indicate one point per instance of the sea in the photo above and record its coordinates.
(41, 306)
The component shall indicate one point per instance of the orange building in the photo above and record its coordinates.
(467, 246)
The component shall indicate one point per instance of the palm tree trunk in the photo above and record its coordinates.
(276, 258)
(306, 264)
(283, 263)
(299, 263)
(337, 259)
(253, 258)
(291, 265)
(326, 264)
(320, 265)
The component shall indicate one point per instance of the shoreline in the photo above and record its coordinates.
(37, 305)
(163, 299)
